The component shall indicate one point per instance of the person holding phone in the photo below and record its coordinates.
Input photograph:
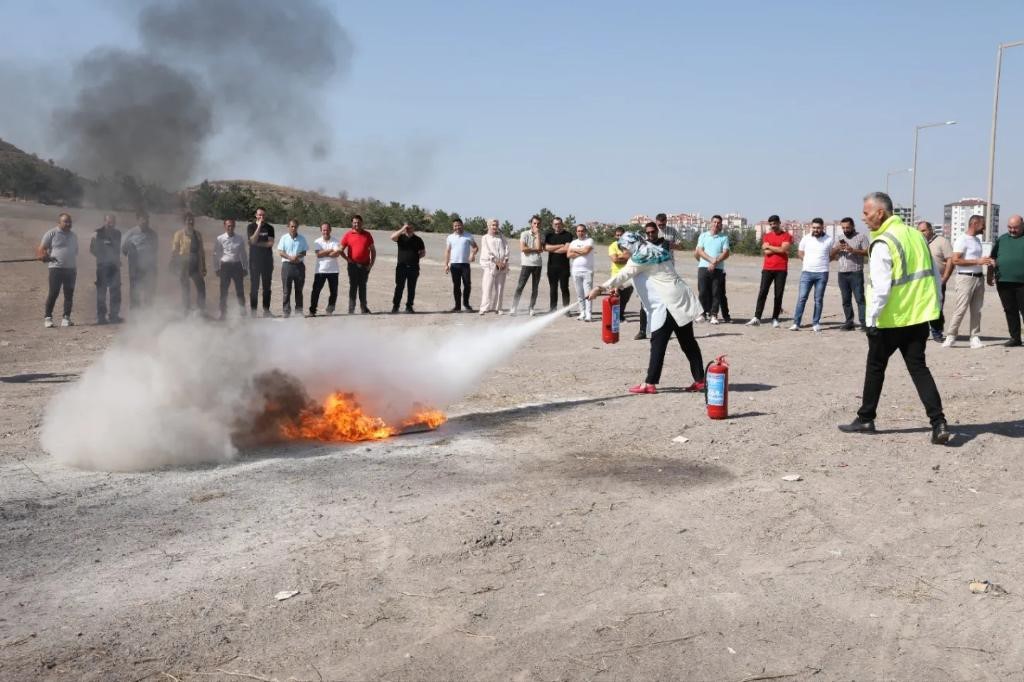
(849, 252)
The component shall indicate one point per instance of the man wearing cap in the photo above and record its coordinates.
(902, 297)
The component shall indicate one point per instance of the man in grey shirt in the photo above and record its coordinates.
(849, 251)
(531, 245)
(141, 246)
(105, 246)
(59, 249)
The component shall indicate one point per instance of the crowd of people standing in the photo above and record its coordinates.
(570, 258)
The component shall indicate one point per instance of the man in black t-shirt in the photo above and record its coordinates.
(556, 243)
(261, 259)
(410, 249)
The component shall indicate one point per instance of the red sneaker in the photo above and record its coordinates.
(643, 388)
(695, 387)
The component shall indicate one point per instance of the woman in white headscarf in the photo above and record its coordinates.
(670, 304)
(494, 255)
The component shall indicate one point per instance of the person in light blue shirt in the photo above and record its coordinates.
(712, 251)
(292, 248)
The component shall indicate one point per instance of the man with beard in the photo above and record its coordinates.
(775, 246)
(850, 252)
(531, 246)
(815, 251)
(261, 260)
(407, 270)
(556, 243)
(712, 251)
(59, 250)
(942, 254)
(357, 248)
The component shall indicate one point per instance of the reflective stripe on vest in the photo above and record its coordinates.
(907, 277)
(914, 294)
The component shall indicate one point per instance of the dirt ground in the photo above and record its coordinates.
(552, 530)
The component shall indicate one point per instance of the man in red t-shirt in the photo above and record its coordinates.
(775, 246)
(357, 248)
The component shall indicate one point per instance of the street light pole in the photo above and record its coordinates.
(895, 172)
(992, 142)
(913, 182)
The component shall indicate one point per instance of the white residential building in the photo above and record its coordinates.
(957, 214)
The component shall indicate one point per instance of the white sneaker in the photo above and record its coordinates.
(950, 340)
(532, 312)
(976, 342)
(816, 328)
(66, 322)
(499, 311)
(714, 320)
(48, 323)
(754, 322)
(588, 318)
(513, 312)
(776, 324)
(795, 327)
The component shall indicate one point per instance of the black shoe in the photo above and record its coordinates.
(394, 309)
(640, 336)
(858, 426)
(726, 320)
(312, 313)
(352, 311)
(848, 327)
(456, 309)
(1012, 343)
(117, 319)
(468, 309)
(940, 434)
(409, 309)
(365, 311)
(101, 321)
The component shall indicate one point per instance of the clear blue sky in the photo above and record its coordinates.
(606, 109)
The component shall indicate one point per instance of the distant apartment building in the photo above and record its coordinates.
(734, 221)
(905, 213)
(956, 215)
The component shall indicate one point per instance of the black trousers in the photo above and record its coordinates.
(187, 280)
(461, 284)
(357, 276)
(141, 287)
(108, 283)
(61, 278)
(659, 344)
(319, 279)
(558, 279)
(711, 292)
(261, 270)
(851, 288)
(1011, 295)
(293, 275)
(624, 296)
(911, 343)
(940, 324)
(768, 278)
(228, 273)
(529, 273)
(405, 276)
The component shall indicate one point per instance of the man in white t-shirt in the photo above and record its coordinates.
(327, 251)
(459, 251)
(815, 252)
(581, 257)
(970, 282)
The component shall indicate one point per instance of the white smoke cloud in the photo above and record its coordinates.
(175, 393)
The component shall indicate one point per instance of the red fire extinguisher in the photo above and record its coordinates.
(610, 319)
(716, 388)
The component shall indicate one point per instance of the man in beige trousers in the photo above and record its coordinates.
(494, 255)
(970, 283)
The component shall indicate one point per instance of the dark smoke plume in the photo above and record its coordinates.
(250, 70)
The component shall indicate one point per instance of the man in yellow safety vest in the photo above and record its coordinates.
(903, 295)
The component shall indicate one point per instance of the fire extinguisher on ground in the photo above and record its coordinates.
(716, 388)
(610, 319)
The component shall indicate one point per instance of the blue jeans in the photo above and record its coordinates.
(808, 279)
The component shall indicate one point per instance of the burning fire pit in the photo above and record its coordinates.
(341, 419)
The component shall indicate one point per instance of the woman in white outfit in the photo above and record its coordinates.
(494, 255)
(670, 304)
(581, 255)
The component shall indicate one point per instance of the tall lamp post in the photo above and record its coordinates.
(992, 143)
(895, 172)
(913, 182)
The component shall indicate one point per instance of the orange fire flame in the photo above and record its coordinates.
(342, 419)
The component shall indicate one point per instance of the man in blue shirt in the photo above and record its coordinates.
(292, 248)
(712, 250)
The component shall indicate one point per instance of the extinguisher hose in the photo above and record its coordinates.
(706, 381)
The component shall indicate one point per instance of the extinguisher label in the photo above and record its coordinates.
(716, 389)
(615, 318)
